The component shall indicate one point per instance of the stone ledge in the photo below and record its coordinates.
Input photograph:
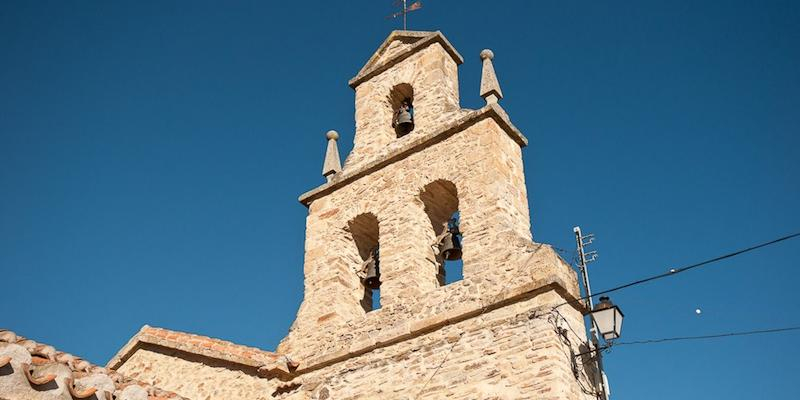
(493, 111)
(406, 330)
(527, 266)
(267, 363)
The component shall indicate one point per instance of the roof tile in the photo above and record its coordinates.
(74, 370)
(268, 363)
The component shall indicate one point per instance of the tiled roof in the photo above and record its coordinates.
(28, 367)
(268, 363)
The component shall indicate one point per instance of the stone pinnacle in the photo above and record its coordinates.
(490, 88)
(332, 165)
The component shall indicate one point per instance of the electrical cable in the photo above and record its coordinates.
(563, 251)
(702, 337)
(671, 272)
(675, 271)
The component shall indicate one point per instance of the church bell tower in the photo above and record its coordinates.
(430, 183)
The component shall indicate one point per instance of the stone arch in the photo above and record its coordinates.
(441, 203)
(365, 232)
(400, 94)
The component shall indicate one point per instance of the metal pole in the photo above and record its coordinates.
(594, 339)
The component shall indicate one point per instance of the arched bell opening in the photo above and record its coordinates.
(365, 233)
(440, 199)
(401, 99)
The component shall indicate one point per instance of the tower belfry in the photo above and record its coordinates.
(428, 188)
(378, 226)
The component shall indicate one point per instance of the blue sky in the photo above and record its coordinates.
(151, 155)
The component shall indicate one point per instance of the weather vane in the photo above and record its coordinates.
(407, 8)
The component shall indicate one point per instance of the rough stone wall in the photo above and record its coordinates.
(521, 351)
(503, 332)
(475, 338)
(434, 76)
(492, 335)
(396, 46)
(485, 165)
(193, 378)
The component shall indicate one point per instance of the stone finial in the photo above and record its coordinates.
(332, 165)
(490, 88)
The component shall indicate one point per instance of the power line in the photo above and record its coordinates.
(675, 271)
(720, 335)
(671, 272)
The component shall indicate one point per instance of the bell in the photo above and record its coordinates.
(373, 278)
(450, 247)
(404, 123)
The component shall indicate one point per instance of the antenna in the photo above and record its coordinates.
(407, 8)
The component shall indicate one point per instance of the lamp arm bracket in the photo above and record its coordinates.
(597, 349)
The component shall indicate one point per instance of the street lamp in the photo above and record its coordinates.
(608, 319)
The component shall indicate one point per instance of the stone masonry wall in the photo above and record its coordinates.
(521, 351)
(475, 338)
(434, 76)
(485, 165)
(502, 332)
(196, 378)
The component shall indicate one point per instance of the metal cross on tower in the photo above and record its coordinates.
(407, 8)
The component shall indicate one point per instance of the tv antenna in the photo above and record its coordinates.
(407, 8)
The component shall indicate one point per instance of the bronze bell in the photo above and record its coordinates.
(373, 278)
(404, 122)
(450, 246)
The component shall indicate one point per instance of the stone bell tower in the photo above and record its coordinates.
(492, 334)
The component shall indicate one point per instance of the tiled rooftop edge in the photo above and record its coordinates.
(266, 362)
(79, 366)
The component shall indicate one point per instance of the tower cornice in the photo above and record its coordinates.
(419, 40)
(493, 111)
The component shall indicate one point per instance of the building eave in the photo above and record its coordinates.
(268, 364)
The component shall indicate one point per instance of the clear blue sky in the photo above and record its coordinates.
(151, 155)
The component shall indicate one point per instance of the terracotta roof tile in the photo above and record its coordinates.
(46, 368)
